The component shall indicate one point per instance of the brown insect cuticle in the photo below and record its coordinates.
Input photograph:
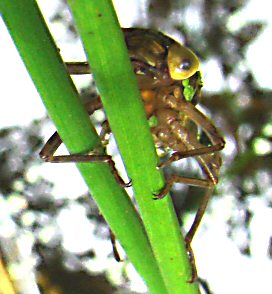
(160, 65)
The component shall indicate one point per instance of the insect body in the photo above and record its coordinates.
(164, 70)
(158, 59)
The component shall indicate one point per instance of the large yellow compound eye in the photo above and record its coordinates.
(182, 62)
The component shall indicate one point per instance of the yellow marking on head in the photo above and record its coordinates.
(182, 62)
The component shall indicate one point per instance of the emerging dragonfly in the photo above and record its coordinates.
(165, 70)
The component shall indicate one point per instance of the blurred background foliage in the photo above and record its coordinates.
(240, 108)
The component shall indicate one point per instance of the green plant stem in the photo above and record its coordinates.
(108, 57)
(49, 74)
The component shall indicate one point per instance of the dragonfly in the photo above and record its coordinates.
(170, 83)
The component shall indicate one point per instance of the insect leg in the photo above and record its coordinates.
(197, 117)
(190, 153)
(189, 236)
(203, 122)
(78, 68)
(203, 183)
(114, 247)
(51, 146)
(47, 154)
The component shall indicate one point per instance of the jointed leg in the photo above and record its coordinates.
(183, 180)
(205, 183)
(114, 247)
(78, 68)
(47, 154)
(190, 153)
(189, 236)
(191, 256)
(177, 103)
(196, 116)
(193, 182)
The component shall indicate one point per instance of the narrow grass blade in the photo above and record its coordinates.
(49, 74)
(108, 57)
